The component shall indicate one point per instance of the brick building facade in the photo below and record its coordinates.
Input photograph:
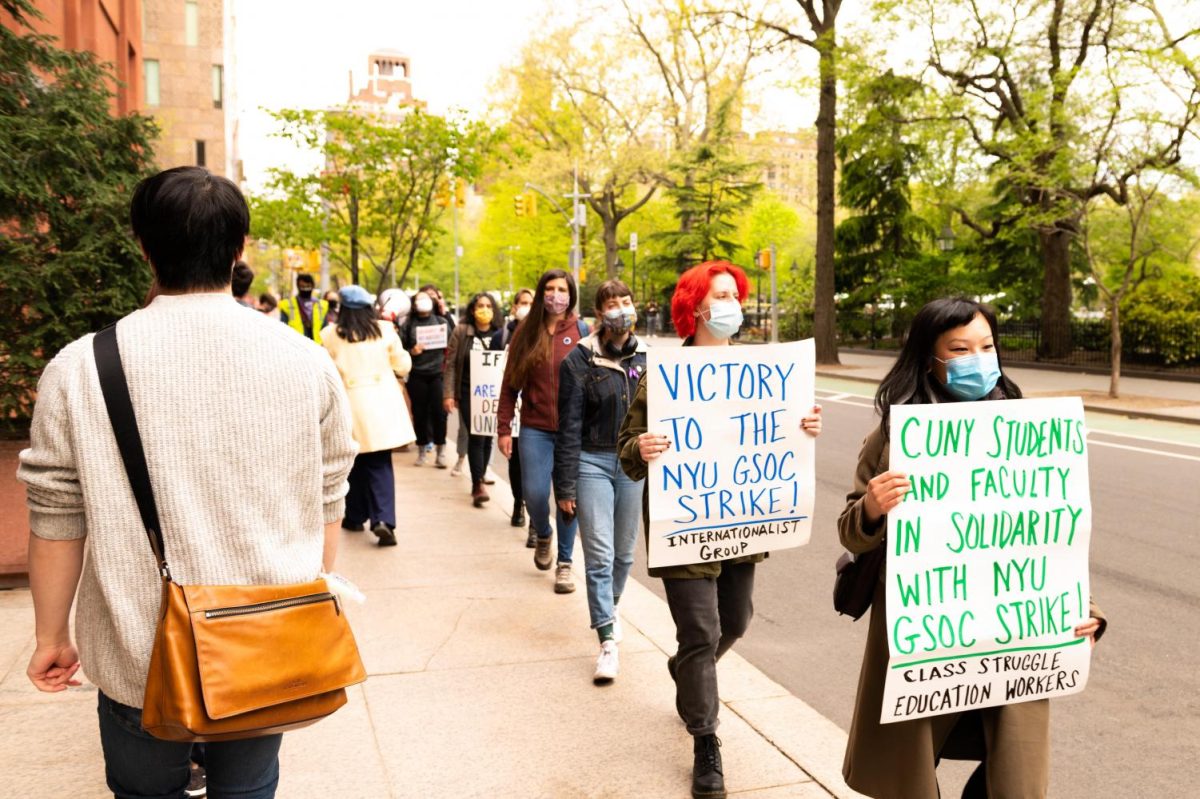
(112, 29)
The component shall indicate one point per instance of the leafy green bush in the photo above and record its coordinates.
(68, 263)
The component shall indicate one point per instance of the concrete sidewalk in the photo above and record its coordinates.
(1150, 398)
(480, 685)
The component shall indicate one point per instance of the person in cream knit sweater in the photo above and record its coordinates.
(205, 374)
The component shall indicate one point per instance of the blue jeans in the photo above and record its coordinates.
(140, 766)
(610, 513)
(537, 466)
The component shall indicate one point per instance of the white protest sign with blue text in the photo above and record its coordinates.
(987, 556)
(487, 371)
(738, 476)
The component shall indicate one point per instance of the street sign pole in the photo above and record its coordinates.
(633, 263)
(774, 299)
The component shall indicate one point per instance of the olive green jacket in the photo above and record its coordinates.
(636, 469)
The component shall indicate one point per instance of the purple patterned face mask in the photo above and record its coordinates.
(558, 303)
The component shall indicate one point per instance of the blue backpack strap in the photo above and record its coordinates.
(584, 332)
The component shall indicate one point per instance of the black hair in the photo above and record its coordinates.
(358, 324)
(192, 225)
(305, 277)
(243, 276)
(468, 314)
(910, 380)
(268, 299)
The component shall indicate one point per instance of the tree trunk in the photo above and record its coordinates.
(611, 250)
(1114, 314)
(1055, 246)
(824, 312)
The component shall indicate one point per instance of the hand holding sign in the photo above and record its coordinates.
(884, 492)
(651, 445)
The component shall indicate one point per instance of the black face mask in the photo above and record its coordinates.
(305, 294)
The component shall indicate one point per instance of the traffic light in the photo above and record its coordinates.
(460, 193)
(764, 260)
(442, 198)
(530, 204)
(519, 204)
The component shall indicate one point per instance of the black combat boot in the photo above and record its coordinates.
(708, 778)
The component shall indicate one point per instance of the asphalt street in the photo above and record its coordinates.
(1135, 730)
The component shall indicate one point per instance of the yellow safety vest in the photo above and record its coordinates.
(320, 310)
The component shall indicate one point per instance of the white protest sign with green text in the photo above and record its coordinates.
(738, 477)
(987, 556)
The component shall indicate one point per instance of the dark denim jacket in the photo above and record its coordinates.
(594, 392)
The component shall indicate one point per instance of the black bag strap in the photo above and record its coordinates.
(115, 389)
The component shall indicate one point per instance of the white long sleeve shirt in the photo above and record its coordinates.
(247, 434)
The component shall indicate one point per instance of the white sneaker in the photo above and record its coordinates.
(458, 467)
(489, 477)
(607, 664)
(618, 631)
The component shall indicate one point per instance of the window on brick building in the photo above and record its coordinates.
(218, 85)
(191, 23)
(150, 70)
(200, 153)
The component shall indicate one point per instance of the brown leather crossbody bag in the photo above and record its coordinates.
(229, 661)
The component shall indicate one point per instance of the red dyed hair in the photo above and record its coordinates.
(693, 287)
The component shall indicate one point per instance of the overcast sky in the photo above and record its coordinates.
(293, 58)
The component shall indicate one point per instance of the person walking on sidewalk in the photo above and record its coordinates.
(950, 355)
(202, 373)
(596, 384)
(243, 277)
(712, 602)
(425, 335)
(478, 330)
(522, 302)
(303, 313)
(537, 351)
(370, 358)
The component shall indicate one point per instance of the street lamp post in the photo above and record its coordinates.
(577, 219)
(946, 239)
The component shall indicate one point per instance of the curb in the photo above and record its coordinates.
(1126, 412)
(811, 741)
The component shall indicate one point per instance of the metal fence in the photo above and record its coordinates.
(1162, 347)
(1171, 349)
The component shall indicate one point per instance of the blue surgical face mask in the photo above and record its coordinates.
(619, 320)
(972, 377)
(724, 318)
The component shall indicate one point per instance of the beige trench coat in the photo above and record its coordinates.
(898, 761)
(370, 369)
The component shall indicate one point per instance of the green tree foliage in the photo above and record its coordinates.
(574, 103)
(1048, 90)
(884, 235)
(376, 197)
(717, 184)
(68, 263)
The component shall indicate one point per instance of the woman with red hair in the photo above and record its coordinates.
(711, 603)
